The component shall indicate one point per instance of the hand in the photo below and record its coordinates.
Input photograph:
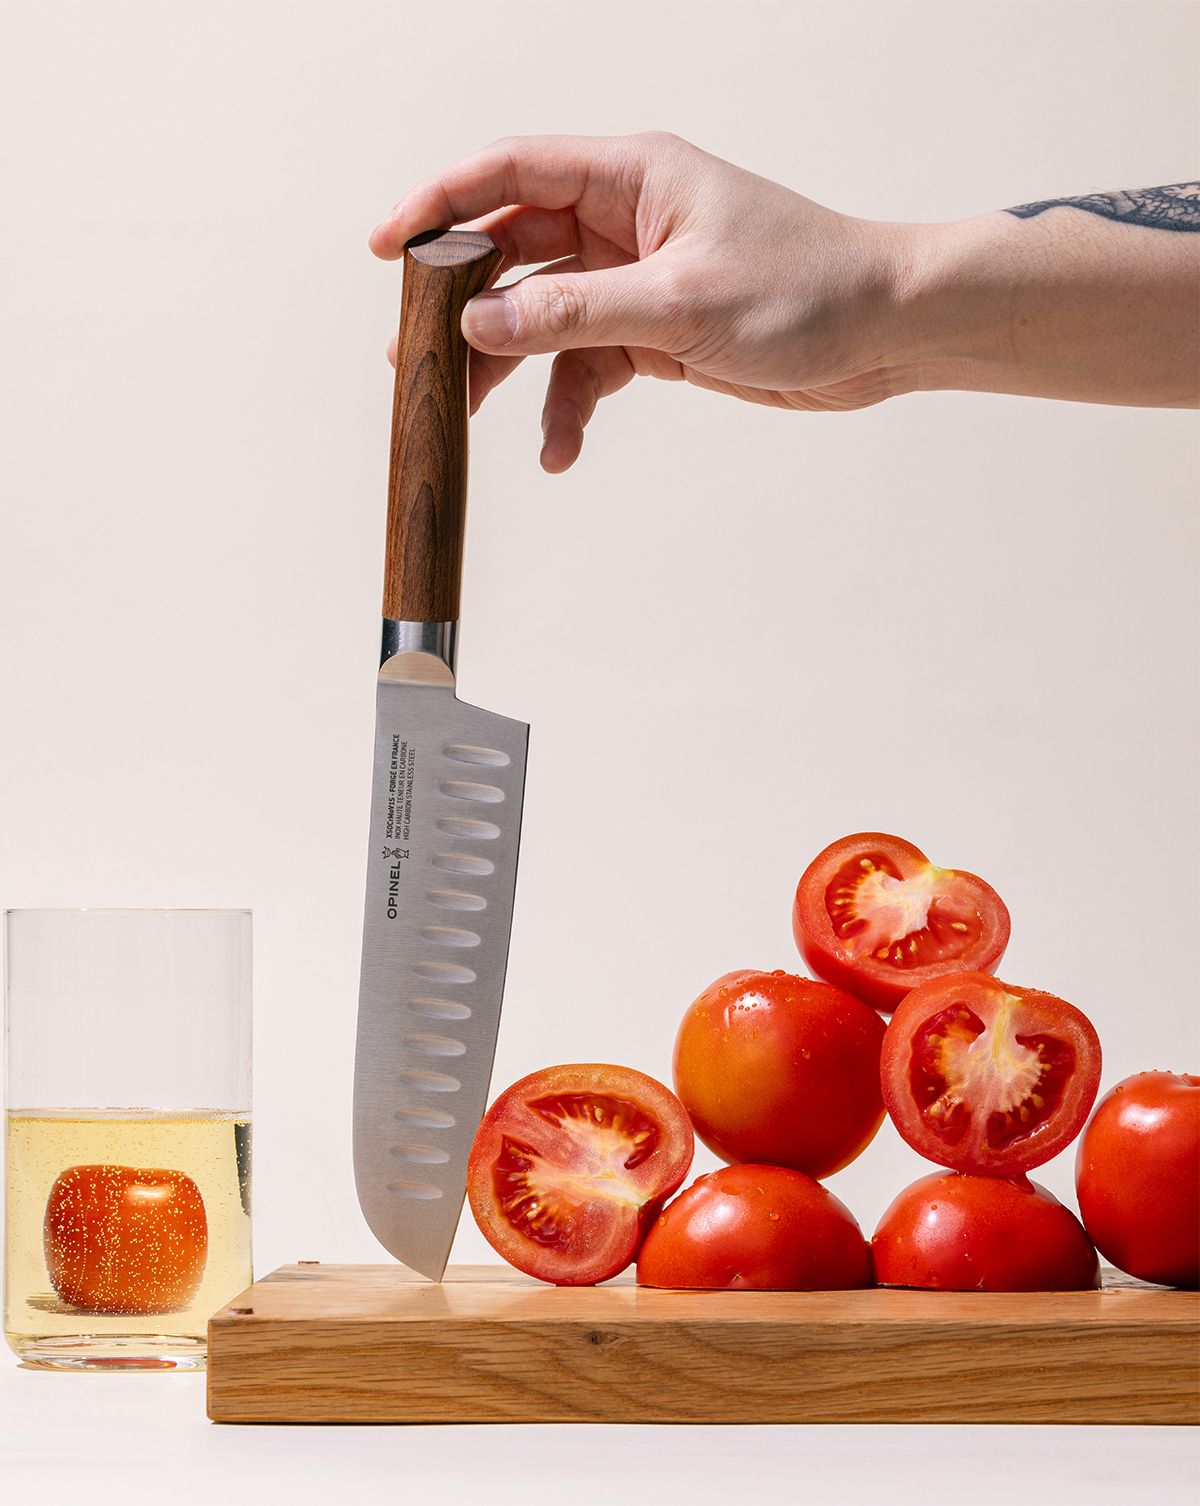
(665, 262)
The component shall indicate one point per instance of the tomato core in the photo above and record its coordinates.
(904, 922)
(959, 1062)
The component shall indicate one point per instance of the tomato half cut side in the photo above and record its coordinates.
(983, 1076)
(571, 1166)
(875, 917)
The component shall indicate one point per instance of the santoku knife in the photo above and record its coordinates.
(446, 797)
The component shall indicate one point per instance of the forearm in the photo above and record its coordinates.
(1063, 303)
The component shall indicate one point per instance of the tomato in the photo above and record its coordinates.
(782, 1070)
(982, 1234)
(125, 1239)
(571, 1166)
(874, 916)
(764, 1228)
(981, 1075)
(1137, 1174)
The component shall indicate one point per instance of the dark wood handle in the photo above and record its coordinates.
(427, 483)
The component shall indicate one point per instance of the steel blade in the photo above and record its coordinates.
(448, 786)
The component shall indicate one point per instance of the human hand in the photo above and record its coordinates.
(666, 262)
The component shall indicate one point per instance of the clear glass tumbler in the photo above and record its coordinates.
(128, 1133)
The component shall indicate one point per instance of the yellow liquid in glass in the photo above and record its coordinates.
(211, 1150)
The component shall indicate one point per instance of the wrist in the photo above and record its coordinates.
(944, 311)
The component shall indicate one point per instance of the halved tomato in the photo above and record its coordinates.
(756, 1228)
(959, 1233)
(874, 916)
(571, 1166)
(980, 1075)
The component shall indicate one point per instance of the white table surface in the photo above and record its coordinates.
(102, 1438)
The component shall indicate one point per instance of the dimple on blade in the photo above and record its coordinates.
(445, 828)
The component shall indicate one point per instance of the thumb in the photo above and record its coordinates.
(564, 309)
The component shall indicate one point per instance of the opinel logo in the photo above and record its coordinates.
(398, 856)
(393, 891)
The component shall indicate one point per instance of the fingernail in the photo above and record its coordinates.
(490, 319)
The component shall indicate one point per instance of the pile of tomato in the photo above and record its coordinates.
(787, 1079)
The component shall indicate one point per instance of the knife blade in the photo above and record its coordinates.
(448, 784)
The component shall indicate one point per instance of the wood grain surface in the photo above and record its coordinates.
(330, 1343)
(427, 479)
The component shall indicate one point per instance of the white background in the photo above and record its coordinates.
(737, 634)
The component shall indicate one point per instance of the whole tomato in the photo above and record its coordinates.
(957, 1233)
(761, 1228)
(1137, 1174)
(780, 1070)
(125, 1239)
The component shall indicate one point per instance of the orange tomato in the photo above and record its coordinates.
(125, 1239)
(778, 1070)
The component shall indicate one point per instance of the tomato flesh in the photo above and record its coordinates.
(125, 1239)
(983, 1076)
(904, 921)
(570, 1166)
(602, 1138)
(1137, 1174)
(953, 1232)
(762, 1228)
(874, 916)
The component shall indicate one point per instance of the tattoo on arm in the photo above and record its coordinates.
(1175, 206)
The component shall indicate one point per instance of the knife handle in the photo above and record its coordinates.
(427, 481)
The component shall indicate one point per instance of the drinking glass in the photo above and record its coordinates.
(128, 1133)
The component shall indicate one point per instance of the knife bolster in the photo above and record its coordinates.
(437, 640)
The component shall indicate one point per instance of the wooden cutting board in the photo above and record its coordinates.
(352, 1343)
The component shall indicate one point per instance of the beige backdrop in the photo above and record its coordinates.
(737, 634)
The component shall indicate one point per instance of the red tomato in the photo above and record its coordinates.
(570, 1167)
(756, 1227)
(777, 1069)
(124, 1239)
(982, 1234)
(1137, 1174)
(984, 1076)
(873, 915)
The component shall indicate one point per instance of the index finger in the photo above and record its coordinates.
(547, 172)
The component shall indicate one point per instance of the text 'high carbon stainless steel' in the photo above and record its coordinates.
(445, 803)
